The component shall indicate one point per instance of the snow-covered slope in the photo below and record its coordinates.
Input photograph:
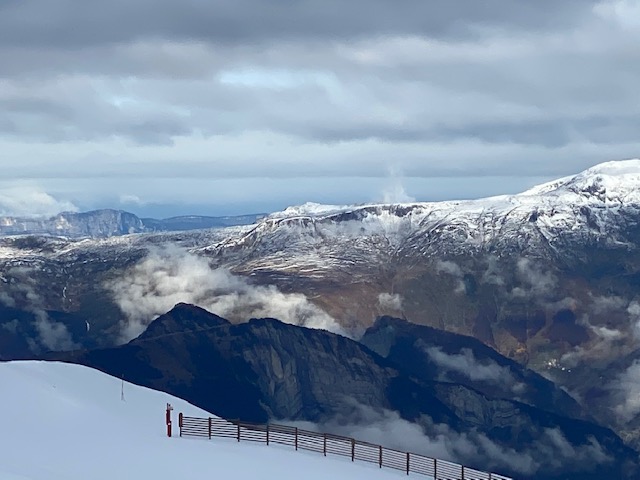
(599, 205)
(67, 422)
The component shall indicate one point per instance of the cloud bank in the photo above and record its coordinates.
(465, 363)
(549, 452)
(314, 93)
(167, 276)
(626, 393)
(31, 202)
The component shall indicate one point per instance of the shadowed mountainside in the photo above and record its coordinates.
(265, 369)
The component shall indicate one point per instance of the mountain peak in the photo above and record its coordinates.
(183, 317)
(607, 181)
(616, 167)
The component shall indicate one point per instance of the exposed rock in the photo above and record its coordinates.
(265, 369)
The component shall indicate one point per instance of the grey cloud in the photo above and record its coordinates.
(465, 363)
(493, 274)
(453, 269)
(11, 326)
(390, 303)
(550, 451)
(306, 89)
(7, 300)
(66, 24)
(535, 282)
(21, 292)
(626, 393)
(605, 304)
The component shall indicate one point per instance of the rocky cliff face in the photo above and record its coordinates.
(264, 370)
(95, 224)
(438, 355)
(107, 223)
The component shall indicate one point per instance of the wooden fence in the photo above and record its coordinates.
(329, 444)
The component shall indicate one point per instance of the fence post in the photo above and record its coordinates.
(296, 438)
(490, 476)
(380, 458)
(180, 422)
(238, 430)
(462, 472)
(353, 450)
(267, 434)
(435, 469)
(408, 467)
(324, 444)
(209, 428)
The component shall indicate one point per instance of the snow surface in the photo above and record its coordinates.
(67, 422)
(592, 206)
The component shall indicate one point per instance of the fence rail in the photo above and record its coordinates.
(329, 444)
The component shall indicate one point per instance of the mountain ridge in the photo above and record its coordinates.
(105, 223)
(265, 370)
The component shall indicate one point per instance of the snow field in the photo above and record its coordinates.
(68, 422)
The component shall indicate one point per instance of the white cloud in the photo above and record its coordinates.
(390, 302)
(394, 191)
(625, 13)
(534, 282)
(465, 363)
(27, 201)
(548, 452)
(451, 268)
(129, 199)
(169, 276)
(22, 293)
(626, 392)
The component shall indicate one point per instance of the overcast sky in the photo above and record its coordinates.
(229, 106)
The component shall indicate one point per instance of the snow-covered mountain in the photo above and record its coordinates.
(95, 224)
(68, 422)
(109, 223)
(598, 206)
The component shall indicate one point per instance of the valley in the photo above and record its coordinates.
(548, 279)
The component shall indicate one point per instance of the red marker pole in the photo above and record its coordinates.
(168, 419)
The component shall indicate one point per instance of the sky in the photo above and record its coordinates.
(236, 106)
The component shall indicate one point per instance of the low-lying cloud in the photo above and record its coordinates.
(390, 302)
(465, 363)
(550, 451)
(22, 293)
(607, 340)
(453, 269)
(534, 282)
(626, 393)
(167, 276)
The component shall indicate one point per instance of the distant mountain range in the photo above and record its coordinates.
(108, 223)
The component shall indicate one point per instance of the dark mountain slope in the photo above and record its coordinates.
(265, 369)
(437, 355)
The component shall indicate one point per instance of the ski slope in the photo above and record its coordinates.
(68, 422)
